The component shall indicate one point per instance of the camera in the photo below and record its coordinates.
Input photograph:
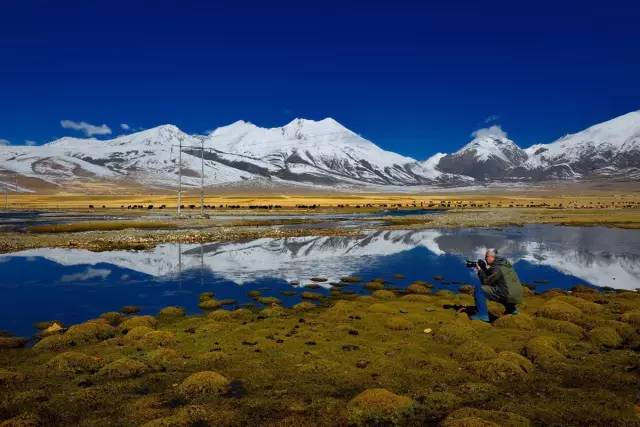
(480, 263)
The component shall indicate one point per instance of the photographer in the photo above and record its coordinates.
(498, 282)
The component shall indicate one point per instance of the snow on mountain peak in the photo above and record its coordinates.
(491, 142)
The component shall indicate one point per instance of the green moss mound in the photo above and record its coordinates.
(23, 420)
(545, 350)
(454, 333)
(436, 404)
(134, 335)
(560, 326)
(91, 331)
(311, 295)
(130, 309)
(304, 306)
(519, 321)
(205, 383)
(378, 406)
(382, 308)
(384, 295)
(559, 310)
(220, 315)
(9, 377)
(374, 286)
(163, 359)
(112, 317)
(471, 416)
(172, 311)
(399, 323)
(473, 350)
(12, 342)
(73, 362)
(605, 336)
(123, 368)
(583, 305)
(269, 300)
(416, 298)
(158, 339)
(418, 288)
(631, 317)
(132, 322)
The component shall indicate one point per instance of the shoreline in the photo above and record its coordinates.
(143, 232)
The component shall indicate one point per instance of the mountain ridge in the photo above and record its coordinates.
(323, 153)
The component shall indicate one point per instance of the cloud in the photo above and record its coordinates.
(4, 142)
(30, 142)
(89, 273)
(87, 128)
(125, 126)
(494, 131)
(491, 118)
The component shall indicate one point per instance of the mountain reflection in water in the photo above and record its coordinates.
(72, 283)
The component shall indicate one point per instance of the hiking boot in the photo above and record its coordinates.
(479, 316)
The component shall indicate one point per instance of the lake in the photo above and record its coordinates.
(73, 285)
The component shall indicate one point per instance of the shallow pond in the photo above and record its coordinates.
(73, 285)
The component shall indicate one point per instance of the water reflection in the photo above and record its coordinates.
(74, 285)
(600, 256)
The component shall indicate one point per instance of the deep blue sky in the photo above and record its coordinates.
(415, 77)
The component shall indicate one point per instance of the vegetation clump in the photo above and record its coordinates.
(205, 383)
(384, 294)
(132, 322)
(123, 368)
(418, 288)
(172, 311)
(74, 362)
(379, 406)
(399, 323)
(473, 350)
(605, 336)
(112, 317)
(559, 310)
(130, 309)
(520, 321)
(374, 286)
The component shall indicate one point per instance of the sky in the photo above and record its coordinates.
(415, 77)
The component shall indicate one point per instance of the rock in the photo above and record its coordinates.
(379, 406)
(559, 310)
(201, 384)
(520, 321)
(384, 295)
(172, 311)
(73, 362)
(123, 368)
(473, 350)
(399, 323)
(130, 309)
(605, 336)
(362, 364)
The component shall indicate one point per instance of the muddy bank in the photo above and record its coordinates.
(389, 358)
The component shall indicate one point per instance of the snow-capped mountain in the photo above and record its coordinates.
(609, 149)
(490, 155)
(304, 151)
(314, 153)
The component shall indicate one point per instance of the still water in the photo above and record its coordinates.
(73, 285)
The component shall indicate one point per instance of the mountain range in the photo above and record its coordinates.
(316, 154)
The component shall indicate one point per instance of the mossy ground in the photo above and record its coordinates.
(405, 360)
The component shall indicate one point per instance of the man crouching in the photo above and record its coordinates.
(498, 282)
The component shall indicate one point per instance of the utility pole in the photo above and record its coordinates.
(202, 178)
(180, 178)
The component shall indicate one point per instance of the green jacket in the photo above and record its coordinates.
(503, 280)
